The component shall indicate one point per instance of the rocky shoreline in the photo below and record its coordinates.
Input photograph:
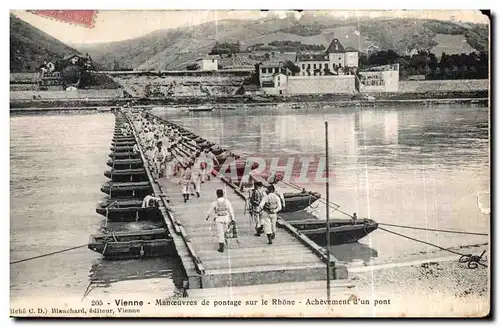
(238, 102)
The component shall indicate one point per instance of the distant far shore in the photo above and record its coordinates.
(241, 102)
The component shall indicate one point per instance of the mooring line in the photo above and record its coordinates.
(472, 260)
(49, 254)
(435, 230)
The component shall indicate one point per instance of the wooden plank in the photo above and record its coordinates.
(320, 251)
(249, 261)
(169, 221)
(269, 267)
(268, 290)
(251, 254)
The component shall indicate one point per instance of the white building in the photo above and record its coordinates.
(267, 72)
(278, 86)
(380, 79)
(334, 61)
(208, 63)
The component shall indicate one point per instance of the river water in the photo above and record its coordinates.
(56, 171)
(420, 166)
(413, 166)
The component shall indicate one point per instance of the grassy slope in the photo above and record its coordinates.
(172, 49)
(29, 46)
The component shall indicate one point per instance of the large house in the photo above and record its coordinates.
(269, 70)
(336, 60)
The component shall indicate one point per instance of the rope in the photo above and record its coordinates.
(424, 242)
(393, 225)
(435, 230)
(473, 261)
(49, 254)
(310, 203)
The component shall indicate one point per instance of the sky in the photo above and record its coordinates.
(118, 25)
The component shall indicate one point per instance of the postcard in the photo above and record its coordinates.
(249, 163)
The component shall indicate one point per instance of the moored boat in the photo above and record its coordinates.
(125, 148)
(121, 203)
(136, 244)
(127, 175)
(125, 163)
(123, 138)
(132, 189)
(299, 201)
(116, 213)
(125, 155)
(201, 109)
(342, 231)
(123, 143)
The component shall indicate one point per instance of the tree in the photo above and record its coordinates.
(363, 60)
(443, 61)
(437, 74)
(193, 66)
(427, 70)
(454, 71)
(433, 62)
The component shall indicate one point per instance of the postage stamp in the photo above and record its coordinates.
(78, 17)
(258, 164)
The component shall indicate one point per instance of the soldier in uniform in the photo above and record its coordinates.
(270, 206)
(223, 213)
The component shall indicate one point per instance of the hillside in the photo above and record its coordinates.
(173, 49)
(29, 47)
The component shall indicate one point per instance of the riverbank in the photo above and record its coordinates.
(436, 289)
(238, 102)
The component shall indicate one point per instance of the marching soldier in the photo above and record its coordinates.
(255, 199)
(222, 211)
(185, 182)
(270, 206)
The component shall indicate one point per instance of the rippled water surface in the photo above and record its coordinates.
(56, 171)
(413, 166)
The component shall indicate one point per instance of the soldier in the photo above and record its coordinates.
(270, 206)
(255, 199)
(222, 211)
(184, 182)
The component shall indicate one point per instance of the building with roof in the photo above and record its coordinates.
(336, 60)
(378, 79)
(268, 70)
(277, 85)
(208, 63)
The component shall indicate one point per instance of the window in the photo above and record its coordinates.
(314, 66)
(213, 60)
(278, 82)
(308, 66)
(303, 66)
(276, 70)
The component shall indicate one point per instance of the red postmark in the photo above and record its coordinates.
(78, 17)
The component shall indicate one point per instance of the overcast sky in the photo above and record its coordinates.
(114, 25)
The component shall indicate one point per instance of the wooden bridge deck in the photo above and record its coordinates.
(252, 260)
(291, 258)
